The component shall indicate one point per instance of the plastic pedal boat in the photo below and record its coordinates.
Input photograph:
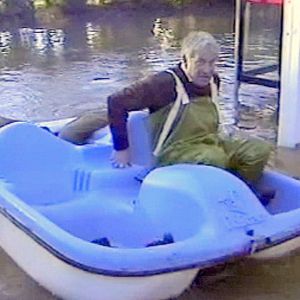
(85, 230)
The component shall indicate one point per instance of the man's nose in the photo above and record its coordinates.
(207, 68)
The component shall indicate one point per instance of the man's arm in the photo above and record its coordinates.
(154, 92)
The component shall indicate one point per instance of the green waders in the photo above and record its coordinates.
(194, 139)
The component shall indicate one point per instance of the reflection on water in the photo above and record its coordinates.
(93, 35)
(164, 35)
(5, 42)
(57, 72)
(41, 40)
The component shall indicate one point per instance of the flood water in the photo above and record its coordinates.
(63, 66)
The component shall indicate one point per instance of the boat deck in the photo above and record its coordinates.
(15, 284)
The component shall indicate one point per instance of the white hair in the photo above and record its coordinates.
(197, 42)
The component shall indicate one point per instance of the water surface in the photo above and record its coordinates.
(64, 66)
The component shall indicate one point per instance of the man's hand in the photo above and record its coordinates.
(120, 159)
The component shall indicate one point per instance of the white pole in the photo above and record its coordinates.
(237, 53)
(289, 113)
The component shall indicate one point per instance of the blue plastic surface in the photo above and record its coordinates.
(67, 196)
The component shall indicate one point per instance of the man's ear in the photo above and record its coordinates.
(184, 60)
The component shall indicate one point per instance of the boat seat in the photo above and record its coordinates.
(36, 161)
(139, 136)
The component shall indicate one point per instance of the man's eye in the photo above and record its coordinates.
(200, 62)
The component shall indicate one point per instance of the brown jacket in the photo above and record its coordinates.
(153, 92)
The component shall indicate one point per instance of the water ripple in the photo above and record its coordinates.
(58, 72)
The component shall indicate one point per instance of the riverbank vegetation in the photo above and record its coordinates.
(21, 7)
(101, 3)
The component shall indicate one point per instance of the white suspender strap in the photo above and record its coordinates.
(214, 93)
(182, 98)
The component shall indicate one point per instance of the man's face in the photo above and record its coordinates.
(201, 67)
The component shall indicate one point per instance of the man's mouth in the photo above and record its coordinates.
(203, 77)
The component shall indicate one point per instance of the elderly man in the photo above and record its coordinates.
(191, 135)
(184, 115)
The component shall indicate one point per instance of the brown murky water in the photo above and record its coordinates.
(250, 280)
(63, 66)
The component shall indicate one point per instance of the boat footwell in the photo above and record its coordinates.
(69, 282)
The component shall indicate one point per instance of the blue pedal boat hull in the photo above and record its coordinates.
(57, 201)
